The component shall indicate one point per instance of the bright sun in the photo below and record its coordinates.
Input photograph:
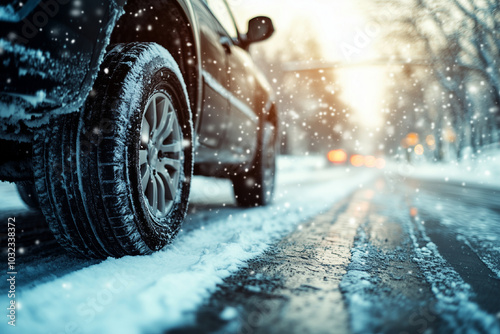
(337, 23)
(363, 88)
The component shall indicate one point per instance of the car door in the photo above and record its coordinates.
(241, 133)
(243, 120)
(215, 107)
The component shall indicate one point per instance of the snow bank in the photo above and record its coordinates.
(291, 163)
(483, 169)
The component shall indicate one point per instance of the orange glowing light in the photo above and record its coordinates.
(419, 149)
(337, 156)
(381, 163)
(413, 212)
(412, 139)
(370, 161)
(430, 140)
(357, 160)
(450, 135)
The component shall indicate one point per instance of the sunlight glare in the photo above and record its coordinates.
(363, 88)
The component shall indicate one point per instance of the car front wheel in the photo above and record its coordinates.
(114, 179)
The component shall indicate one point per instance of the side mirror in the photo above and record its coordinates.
(260, 28)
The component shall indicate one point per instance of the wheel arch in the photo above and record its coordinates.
(173, 25)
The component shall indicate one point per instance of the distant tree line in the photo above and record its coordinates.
(448, 92)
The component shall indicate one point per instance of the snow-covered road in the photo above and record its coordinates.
(357, 251)
(151, 294)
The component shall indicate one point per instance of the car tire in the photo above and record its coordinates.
(114, 179)
(255, 187)
(28, 194)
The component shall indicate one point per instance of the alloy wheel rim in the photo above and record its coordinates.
(160, 155)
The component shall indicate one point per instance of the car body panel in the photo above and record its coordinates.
(215, 107)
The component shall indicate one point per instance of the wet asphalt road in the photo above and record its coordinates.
(396, 256)
(301, 286)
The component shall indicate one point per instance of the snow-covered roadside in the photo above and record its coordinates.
(150, 294)
(484, 170)
(292, 163)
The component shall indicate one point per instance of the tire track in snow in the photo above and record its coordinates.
(454, 296)
(474, 208)
(383, 289)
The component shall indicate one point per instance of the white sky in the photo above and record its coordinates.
(338, 24)
(335, 20)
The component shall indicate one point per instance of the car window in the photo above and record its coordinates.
(221, 12)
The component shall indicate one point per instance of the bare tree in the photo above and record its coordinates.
(459, 42)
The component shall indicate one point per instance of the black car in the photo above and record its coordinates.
(107, 109)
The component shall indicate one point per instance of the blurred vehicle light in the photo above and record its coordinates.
(357, 160)
(370, 161)
(412, 139)
(337, 156)
(430, 140)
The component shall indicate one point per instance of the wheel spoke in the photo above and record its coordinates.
(175, 164)
(143, 157)
(161, 193)
(153, 195)
(162, 117)
(163, 131)
(172, 119)
(163, 172)
(171, 189)
(176, 180)
(145, 179)
(174, 147)
(145, 132)
(151, 115)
